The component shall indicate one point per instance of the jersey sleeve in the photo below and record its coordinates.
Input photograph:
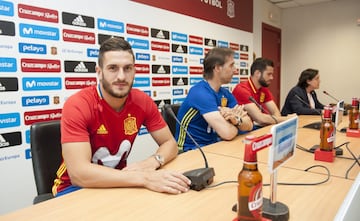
(73, 120)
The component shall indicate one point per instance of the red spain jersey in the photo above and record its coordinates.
(86, 117)
(245, 89)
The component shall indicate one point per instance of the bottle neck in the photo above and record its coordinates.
(252, 166)
(355, 104)
(249, 156)
(327, 113)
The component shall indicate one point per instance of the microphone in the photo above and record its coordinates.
(337, 100)
(252, 99)
(200, 178)
(346, 107)
(315, 125)
(308, 105)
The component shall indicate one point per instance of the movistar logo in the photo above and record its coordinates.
(6, 8)
(175, 36)
(8, 65)
(138, 43)
(194, 81)
(236, 55)
(180, 69)
(37, 31)
(9, 120)
(141, 82)
(35, 84)
(196, 50)
(109, 25)
(223, 44)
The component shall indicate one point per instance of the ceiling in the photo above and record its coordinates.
(296, 3)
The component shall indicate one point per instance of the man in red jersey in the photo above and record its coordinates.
(99, 125)
(262, 110)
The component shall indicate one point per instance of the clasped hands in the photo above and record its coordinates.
(233, 115)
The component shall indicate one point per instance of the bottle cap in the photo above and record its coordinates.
(355, 102)
(250, 155)
(327, 111)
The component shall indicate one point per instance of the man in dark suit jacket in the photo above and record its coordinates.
(302, 98)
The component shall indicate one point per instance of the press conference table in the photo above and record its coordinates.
(301, 160)
(305, 203)
(319, 202)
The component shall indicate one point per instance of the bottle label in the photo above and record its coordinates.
(356, 117)
(256, 200)
(331, 138)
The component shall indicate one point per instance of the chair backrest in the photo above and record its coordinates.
(46, 153)
(169, 119)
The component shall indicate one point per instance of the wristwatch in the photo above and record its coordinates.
(239, 120)
(159, 159)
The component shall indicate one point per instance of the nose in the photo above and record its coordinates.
(235, 71)
(121, 74)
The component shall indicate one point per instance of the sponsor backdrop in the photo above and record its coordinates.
(49, 49)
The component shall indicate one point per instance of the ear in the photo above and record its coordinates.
(257, 74)
(98, 71)
(217, 68)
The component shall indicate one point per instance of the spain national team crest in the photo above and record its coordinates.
(223, 102)
(262, 97)
(130, 125)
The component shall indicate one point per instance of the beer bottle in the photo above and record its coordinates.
(250, 198)
(354, 114)
(327, 130)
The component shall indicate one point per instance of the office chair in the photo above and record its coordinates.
(169, 119)
(46, 156)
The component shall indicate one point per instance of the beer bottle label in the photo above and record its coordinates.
(256, 200)
(330, 139)
(356, 118)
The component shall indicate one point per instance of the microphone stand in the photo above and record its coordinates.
(337, 100)
(330, 96)
(252, 99)
(202, 177)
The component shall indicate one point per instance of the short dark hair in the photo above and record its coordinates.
(260, 64)
(215, 56)
(306, 75)
(114, 44)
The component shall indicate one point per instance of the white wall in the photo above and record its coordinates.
(326, 37)
(264, 12)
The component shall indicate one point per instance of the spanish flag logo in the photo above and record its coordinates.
(130, 125)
